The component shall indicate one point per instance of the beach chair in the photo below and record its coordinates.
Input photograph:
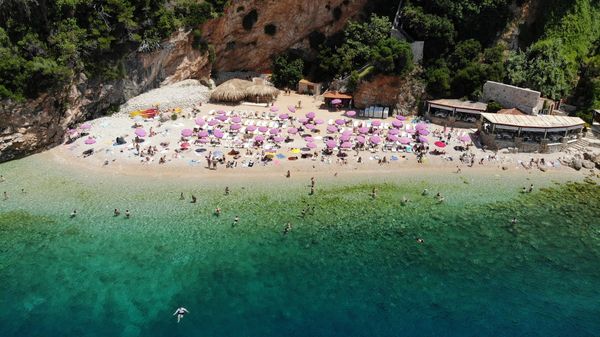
(330, 122)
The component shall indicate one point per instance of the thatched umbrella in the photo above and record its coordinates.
(261, 93)
(233, 90)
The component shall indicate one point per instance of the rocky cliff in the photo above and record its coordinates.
(252, 31)
(35, 125)
(402, 93)
(245, 38)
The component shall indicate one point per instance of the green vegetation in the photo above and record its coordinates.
(44, 44)
(287, 71)
(364, 43)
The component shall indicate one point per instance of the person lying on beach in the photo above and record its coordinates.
(180, 312)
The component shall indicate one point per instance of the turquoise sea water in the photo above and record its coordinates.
(350, 267)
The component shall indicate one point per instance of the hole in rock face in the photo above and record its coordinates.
(270, 29)
(240, 9)
(230, 45)
(337, 13)
(328, 6)
(315, 39)
(250, 19)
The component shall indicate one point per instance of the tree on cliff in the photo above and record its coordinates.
(287, 71)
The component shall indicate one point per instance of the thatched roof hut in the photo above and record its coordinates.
(261, 93)
(233, 90)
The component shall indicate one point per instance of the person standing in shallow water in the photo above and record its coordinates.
(235, 221)
(226, 190)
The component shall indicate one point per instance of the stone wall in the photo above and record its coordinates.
(510, 97)
(402, 93)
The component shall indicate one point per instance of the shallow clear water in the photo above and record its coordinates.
(351, 267)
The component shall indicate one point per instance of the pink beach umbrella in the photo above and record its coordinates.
(421, 126)
(291, 108)
(140, 132)
(411, 131)
(85, 126)
(404, 140)
(203, 140)
(213, 122)
(263, 129)
(310, 115)
(311, 145)
(331, 144)
(302, 120)
(376, 123)
(185, 145)
(347, 133)
(200, 121)
(340, 122)
(259, 138)
(203, 133)
(363, 130)
(375, 139)
(221, 112)
(274, 131)
(351, 113)
(393, 132)
(309, 139)
(186, 132)
(319, 121)
(90, 141)
(465, 138)
(392, 138)
(222, 118)
(400, 118)
(284, 116)
(423, 140)
(278, 139)
(346, 145)
(332, 129)
(361, 139)
(292, 131)
(397, 124)
(274, 109)
(310, 126)
(440, 144)
(235, 126)
(218, 133)
(345, 138)
(336, 101)
(236, 119)
(251, 128)
(423, 132)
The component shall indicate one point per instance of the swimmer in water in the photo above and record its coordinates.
(180, 312)
(181, 197)
(288, 174)
(117, 212)
(193, 199)
(74, 213)
(514, 221)
(405, 200)
(425, 192)
(226, 190)
(524, 190)
(217, 211)
(236, 220)
(127, 215)
(5, 195)
(530, 188)
(287, 228)
(419, 240)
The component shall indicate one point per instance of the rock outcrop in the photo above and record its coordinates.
(251, 32)
(39, 124)
(403, 93)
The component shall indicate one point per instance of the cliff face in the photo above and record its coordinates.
(38, 124)
(252, 31)
(402, 93)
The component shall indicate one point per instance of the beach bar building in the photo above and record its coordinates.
(454, 112)
(332, 97)
(526, 133)
(309, 88)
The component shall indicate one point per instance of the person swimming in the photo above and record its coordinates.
(217, 211)
(127, 214)
(193, 199)
(74, 213)
(117, 212)
(419, 240)
(514, 221)
(287, 228)
(181, 197)
(425, 192)
(530, 188)
(226, 190)
(236, 220)
(180, 312)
